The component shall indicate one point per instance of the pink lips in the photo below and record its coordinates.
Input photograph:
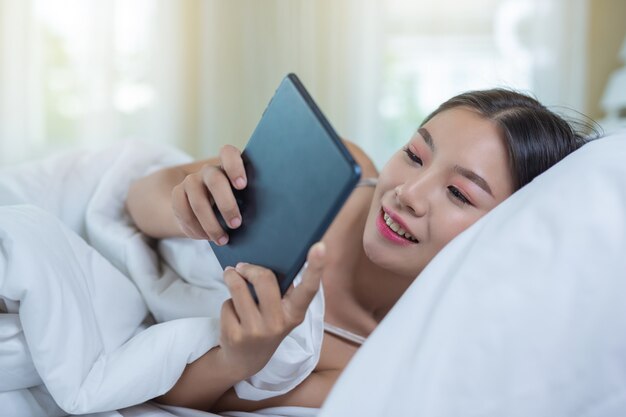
(389, 234)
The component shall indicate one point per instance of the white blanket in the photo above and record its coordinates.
(78, 284)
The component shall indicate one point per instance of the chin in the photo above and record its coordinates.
(382, 258)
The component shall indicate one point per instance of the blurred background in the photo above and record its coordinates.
(197, 74)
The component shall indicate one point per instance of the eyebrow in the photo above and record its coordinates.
(474, 177)
(470, 175)
(427, 138)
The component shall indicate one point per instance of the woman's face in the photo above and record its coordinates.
(450, 173)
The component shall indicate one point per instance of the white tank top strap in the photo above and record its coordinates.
(367, 182)
(344, 334)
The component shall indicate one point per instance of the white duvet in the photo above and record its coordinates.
(80, 289)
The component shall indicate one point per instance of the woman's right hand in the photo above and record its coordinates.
(193, 198)
(251, 332)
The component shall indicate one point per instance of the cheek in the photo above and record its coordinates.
(388, 180)
(451, 224)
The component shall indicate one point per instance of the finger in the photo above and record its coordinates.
(230, 325)
(220, 190)
(200, 202)
(289, 289)
(184, 214)
(266, 287)
(232, 163)
(244, 304)
(192, 233)
(298, 299)
(229, 315)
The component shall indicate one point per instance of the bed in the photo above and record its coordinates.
(522, 314)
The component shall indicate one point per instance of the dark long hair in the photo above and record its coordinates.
(536, 137)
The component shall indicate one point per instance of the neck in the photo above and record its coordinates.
(375, 289)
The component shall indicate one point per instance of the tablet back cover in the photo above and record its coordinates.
(299, 175)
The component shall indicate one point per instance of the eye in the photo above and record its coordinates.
(458, 195)
(413, 157)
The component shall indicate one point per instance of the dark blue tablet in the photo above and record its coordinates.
(299, 176)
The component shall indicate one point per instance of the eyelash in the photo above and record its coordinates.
(452, 189)
(413, 157)
(458, 195)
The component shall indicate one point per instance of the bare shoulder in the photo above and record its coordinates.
(343, 237)
(368, 168)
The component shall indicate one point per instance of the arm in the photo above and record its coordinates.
(152, 204)
(149, 200)
(202, 382)
(176, 201)
(311, 392)
(368, 169)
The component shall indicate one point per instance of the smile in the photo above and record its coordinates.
(395, 227)
(386, 226)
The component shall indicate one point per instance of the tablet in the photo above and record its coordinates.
(299, 176)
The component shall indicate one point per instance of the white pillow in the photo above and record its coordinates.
(523, 314)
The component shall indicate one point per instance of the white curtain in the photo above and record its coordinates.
(198, 73)
(248, 47)
(68, 77)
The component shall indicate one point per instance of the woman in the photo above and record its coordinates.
(469, 155)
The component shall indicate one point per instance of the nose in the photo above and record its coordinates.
(413, 197)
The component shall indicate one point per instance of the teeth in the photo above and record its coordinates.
(396, 228)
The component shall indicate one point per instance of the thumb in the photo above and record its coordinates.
(299, 298)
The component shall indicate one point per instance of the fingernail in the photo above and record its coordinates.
(222, 241)
(235, 222)
(320, 248)
(240, 182)
(228, 268)
(240, 265)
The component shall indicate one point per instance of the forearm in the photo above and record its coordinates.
(150, 206)
(311, 392)
(203, 382)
